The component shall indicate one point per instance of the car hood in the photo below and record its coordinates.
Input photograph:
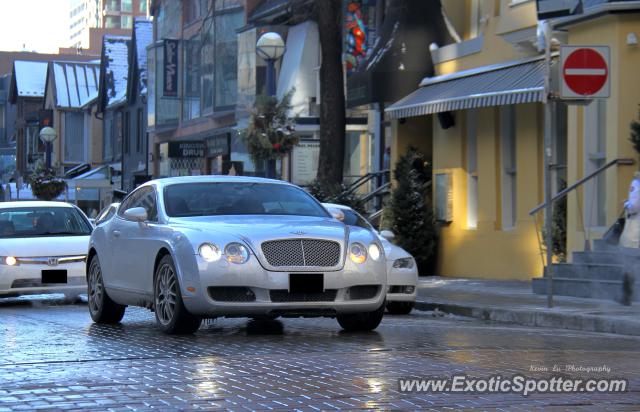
(256, 229)
(45, 246)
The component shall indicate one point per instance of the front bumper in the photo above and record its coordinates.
(26, 279)
(354, 289)
(399, 281)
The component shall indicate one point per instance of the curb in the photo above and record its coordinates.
(585, 323)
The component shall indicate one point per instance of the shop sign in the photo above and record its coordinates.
(218, 145)
(304, 162)
(170, 86)
(186, 149)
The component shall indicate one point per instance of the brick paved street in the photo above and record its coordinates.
(52, 356)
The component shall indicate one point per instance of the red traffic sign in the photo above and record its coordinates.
(585, 72)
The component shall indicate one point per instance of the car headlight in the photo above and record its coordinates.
(404, 263)
(374, 252)
(8, 261)
(209, 252)
(236, 253)
(358, 253)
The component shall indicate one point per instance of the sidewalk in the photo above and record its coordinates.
(514, 302)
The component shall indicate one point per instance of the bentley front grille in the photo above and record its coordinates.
(302, 252)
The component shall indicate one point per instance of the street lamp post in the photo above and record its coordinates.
(48, 135)
(270, 47)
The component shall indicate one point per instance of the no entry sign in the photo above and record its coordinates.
(584, 72)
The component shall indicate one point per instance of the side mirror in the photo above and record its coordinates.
(387, 234)
(336, 213)
(136, 214)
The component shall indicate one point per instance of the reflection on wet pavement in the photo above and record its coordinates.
(54, 356)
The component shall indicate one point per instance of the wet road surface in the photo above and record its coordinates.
(53, 356)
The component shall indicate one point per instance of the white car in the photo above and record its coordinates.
(207, 246)
(402, 271)
(43, 248)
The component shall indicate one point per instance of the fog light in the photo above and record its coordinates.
(409, 289)
(10, 260)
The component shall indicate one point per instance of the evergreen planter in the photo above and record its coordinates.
(46, 186)
(271, 133)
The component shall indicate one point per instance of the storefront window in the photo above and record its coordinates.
(169, 17)
(191, 102)
(107, 141)
(126, 22)
(358, 158)
(151, 85)
(74, 137)
(206, 65)
(126, 6)
(112, 22)
(219, 64)
(117, 149)
(113, 5)
(226, 61)
(194, 9)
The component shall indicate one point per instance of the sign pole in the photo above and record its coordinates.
(548, 130)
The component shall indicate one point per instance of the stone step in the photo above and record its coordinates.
(599, 245)
(609, 258)
(592, 271)
(581, 288)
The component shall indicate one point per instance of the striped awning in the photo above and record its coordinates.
(497, 85)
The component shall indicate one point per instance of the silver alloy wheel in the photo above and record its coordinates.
(95, 287)
(166, 293)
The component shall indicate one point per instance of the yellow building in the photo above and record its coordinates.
(488, 161)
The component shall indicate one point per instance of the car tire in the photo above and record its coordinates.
(357, 322)
(400, 308)
(171, 314)
(101, 308)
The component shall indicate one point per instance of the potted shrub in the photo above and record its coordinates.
(45, 185)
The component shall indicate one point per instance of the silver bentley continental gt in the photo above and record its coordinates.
(199, 247)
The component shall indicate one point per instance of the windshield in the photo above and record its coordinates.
(226, 198)
(42, 221)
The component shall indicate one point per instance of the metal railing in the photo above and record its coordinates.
(364, 179)
(563, 193)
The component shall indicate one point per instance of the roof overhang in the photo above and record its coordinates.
(502, 84)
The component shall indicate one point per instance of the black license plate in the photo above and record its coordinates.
(306, 283)
(54, 276)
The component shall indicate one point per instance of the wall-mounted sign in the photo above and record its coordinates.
(218, 145)
(444, 197)
(304, 162)
(186, 149)
(170, 84)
